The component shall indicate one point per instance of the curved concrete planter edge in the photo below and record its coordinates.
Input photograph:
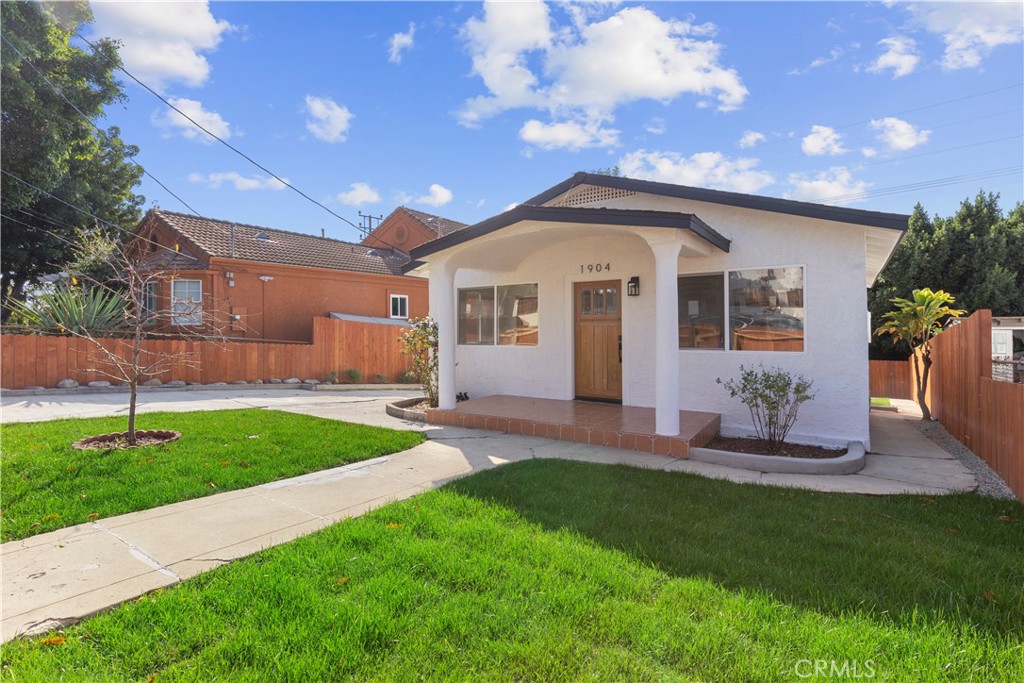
(848, 463)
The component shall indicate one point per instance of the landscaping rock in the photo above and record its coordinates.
(175, 383)
(67, 384)
(273, 381)
(99, 384)
(217, 384)
(311, 381)
(195, 384)
(152, 383)
(293, 380)
(238, 381)
(256, 381)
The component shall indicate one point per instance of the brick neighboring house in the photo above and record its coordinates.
(406, 228)
(268, 284)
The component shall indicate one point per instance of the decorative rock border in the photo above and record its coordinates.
(96, 442)
(215, 386)
(400, 410)
(848, 463)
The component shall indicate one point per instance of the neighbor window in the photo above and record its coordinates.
(148, 309)
(187, 302)
(517, 315)
(762, 309)
(399, 306)
(476, 315)
(505, 315)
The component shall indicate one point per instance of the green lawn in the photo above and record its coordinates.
(560, 571)
(880, 402)
(48, 485)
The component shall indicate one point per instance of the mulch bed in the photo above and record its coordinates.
(119, 440)
(760, 447)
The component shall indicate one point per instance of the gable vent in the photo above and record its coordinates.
(589, 194)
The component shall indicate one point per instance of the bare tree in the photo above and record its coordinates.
(109, 301)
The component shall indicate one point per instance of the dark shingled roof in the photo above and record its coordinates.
(255, 243)
(439, 225)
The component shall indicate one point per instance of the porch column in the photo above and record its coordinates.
(442, 310)
(666, 331)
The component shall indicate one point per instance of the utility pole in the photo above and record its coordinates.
(366, 225)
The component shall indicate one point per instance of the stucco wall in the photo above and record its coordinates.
(834, 356)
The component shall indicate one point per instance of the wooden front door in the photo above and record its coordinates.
(599, 340)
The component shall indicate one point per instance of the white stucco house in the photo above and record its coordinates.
(621, 290)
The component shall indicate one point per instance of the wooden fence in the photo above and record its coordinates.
(985, 415)
(337, 345)
(891, 378)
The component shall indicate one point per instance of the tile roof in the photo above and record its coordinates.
(439, 225)
(255, 243)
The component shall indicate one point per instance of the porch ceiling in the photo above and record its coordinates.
(527, 229)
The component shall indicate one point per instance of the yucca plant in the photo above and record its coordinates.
(72, 309)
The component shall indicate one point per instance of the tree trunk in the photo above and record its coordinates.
(134, 393)
(922, 383)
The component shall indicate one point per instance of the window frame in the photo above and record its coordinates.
(727, 346)
(495, 315)
(193, 318)
(403, 300)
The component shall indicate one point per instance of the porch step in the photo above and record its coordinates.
(599, 424)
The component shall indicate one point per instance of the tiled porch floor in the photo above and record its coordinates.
(600, 424)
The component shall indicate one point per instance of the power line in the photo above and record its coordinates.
(925, 184)
(224, 142)
(89, 121)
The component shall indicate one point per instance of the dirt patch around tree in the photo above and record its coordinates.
(760, 447)
(119, 440)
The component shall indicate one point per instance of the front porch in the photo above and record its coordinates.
(601, 424)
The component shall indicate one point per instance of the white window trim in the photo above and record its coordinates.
(391, 306)
(190, 319)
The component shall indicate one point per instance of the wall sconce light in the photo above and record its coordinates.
(633, 286)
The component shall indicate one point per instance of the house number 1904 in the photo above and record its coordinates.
(596, 268)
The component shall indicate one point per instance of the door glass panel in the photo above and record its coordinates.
(585, 301)
(598, 301)
(611, 300)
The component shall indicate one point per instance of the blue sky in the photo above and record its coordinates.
(462, 109)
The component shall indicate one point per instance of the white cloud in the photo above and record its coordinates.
(399, 43)
(900, 55)
(439, 195)
(970, 30)
(173, 122)
(161, 42)
(358, 195)
(898, 135)
(834, 54)
(750, 138)
(869, 152)
(328, 120)
(823, 140)
(704, 169)
(571, 135)
(580, 73)
(834, 186)
(240, 182)
(656, 126)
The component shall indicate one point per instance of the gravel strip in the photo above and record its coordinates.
(989, 483)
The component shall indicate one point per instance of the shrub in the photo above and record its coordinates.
(331, 377)
(353, 376)
(380, 378)
(406, 377)
(773, 397)
(419, 341)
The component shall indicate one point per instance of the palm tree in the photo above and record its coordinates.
(917, 321)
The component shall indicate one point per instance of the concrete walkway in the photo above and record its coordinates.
(63, 576)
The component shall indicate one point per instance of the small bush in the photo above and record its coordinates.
(419, 341)
(406, 377)
(773, 397)
(331, 377)
(353, 376)
(380, 378)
